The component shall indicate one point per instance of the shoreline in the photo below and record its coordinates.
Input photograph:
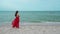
(35, 24)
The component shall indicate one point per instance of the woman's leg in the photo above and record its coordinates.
(13, 25)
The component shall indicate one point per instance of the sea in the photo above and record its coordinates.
(30, 16)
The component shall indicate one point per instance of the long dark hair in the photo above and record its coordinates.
(16, 13)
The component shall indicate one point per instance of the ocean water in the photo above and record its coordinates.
(30, 16)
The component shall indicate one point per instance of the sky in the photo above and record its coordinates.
(30, 5)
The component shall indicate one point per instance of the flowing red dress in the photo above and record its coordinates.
(15, 22)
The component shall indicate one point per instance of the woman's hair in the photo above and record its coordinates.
(16, 13)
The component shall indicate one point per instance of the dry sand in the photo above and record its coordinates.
(31, 29)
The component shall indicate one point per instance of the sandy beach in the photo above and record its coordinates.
(31, 29)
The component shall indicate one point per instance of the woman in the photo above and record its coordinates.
(15, 22)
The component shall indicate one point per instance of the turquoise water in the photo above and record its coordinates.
(41, 16)
(31, 16)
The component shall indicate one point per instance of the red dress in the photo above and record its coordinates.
(15, 22)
